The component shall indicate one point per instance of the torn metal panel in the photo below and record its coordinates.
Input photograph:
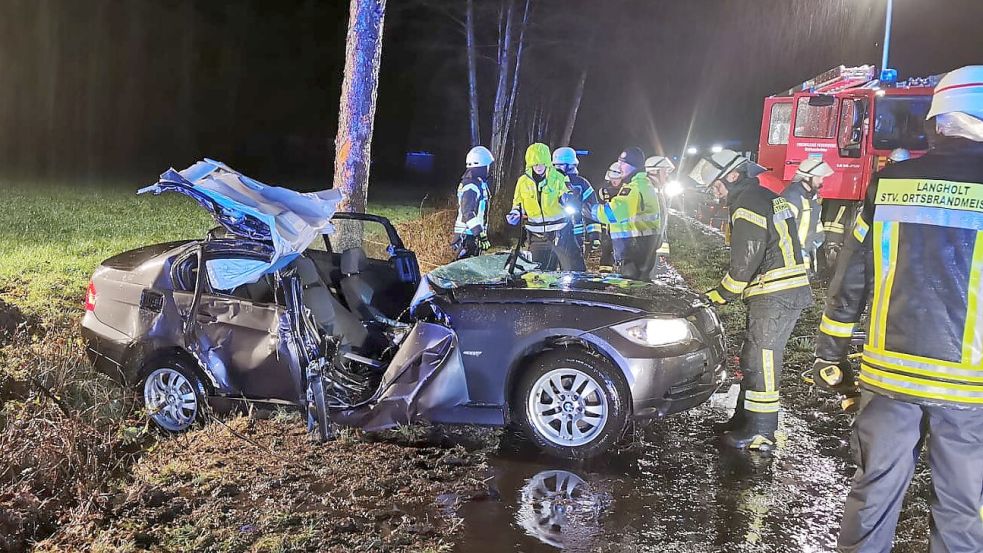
(426, 374)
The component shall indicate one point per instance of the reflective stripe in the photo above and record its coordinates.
(785, 243)
(835, 328)
(804, 217)
(546, 227)
(920, 387)
(778, 286)
(973, 333)
(860, 228)
(768, 363)
(750, 217)
(731, 285)
(761, 396)
(470, 186)
(889, 362)
(937, 216)
(885, 261)
(780, 273)
(756, 407)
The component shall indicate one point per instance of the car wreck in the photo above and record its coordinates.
(273, 306)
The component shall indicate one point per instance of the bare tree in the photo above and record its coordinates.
(578, 95)
(472, 74)
(356, 115)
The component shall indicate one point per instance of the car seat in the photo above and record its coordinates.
(357, 290)
(331, 317)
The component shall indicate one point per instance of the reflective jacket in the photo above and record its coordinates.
(916, 253)
(472, 204)
(541, 203)
(765, 256)
(584, 192)
(634, 211)
(805, 207)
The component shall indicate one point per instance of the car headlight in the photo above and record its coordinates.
(656, 332)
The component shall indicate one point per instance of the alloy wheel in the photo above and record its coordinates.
(170, 399)
(567, 407)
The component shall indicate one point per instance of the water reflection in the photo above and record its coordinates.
(558, 508)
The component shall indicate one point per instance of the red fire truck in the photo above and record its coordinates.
(850, 119)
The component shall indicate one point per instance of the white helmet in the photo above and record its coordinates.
(959, 90)
(720, 164)
(898, 155)
(614, 172)
(814, 167)
(479, 156)
(655, 163)
(565, 156)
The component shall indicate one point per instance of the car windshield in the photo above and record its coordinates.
(900, 122)
(484, 269)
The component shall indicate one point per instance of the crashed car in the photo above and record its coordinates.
(278, 306)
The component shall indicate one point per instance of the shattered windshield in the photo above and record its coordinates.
(484, 269)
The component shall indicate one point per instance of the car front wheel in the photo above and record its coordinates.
(572, 404)
(173, 395)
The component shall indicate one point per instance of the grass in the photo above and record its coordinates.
(54, 236)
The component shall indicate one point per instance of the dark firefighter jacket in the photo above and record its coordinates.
(584, 192)
(765, 256)
(805, 207)
(472, 203)
(916, 254)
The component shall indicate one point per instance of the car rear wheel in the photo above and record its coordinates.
(173, 395)
(572, 404)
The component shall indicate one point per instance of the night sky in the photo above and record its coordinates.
(115, 89)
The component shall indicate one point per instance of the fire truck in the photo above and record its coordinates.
(852, 118)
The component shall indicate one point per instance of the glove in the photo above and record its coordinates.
(483, 243)
(604, 194)
(713, 296)
(835, 376)
(513, 217)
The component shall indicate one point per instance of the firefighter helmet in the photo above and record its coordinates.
(717, 166)
(813, 167)
(479, 156)
(898, 155)
(959, 90)
(654, 163)
(565, 156)
(614, 172)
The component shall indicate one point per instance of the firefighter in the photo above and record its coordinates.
(803, 197)
(565, 161)
(470, 237)
(917, 250)
(613, 179)
(633, 217)
(767, 272)
(658, 169)
(541, 197)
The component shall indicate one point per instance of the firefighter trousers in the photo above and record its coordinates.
(770, 320)
(553, 250)
(635, 257)
(887, 439)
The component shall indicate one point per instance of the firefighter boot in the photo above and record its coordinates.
(758, 434)
(737, 420)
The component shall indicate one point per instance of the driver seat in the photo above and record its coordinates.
(332, 317)
(357, 290)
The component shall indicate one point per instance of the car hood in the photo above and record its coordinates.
(250, 209)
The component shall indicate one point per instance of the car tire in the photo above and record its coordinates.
(172, 394)
(572, 404)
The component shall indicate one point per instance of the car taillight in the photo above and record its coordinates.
(90, 297)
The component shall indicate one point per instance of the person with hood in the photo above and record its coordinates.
(915, 257)
(633, 216)
(803, 198)
(470, 232)
(565, 161)
(543, 198)
(767, 273)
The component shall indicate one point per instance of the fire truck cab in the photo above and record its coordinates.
(848, 118)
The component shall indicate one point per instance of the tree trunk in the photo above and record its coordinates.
(578, 94)
(501, 97)
(509, 119)
(472, 74)
(356, 114)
